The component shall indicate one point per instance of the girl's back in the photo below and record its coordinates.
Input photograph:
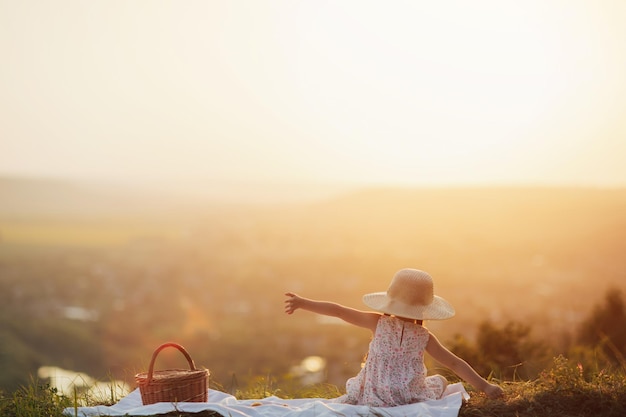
(394, 372)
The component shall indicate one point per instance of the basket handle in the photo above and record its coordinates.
(192, 366)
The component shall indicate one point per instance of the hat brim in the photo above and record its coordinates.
(439, 309)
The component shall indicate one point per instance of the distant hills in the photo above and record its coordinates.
(52, 197)
(35, 196)
(24, 197)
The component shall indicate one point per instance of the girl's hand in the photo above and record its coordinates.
(292, 303)
(494, 391)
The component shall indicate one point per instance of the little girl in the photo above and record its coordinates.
(394, 371)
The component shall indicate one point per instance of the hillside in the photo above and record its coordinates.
(559, 391)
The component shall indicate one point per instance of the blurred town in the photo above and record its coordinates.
(93, 281)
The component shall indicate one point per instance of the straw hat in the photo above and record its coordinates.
(410, 295)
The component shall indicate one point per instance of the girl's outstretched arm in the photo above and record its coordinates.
(461, 368)
(359, 318)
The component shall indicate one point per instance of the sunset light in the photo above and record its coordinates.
(356, 92)
(303, 193)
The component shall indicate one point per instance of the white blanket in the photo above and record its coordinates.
(229, 406)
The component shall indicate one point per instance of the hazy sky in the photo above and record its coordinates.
(405, 92)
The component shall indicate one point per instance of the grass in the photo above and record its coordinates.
(33, 400)
(563, 390)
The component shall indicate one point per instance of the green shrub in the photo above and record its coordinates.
(604, 328)
(507, 353)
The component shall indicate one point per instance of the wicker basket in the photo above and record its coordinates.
(174, 385)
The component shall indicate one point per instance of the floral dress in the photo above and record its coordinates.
(394, 372)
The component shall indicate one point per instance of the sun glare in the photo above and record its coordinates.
(454, 84)
(353, 91)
